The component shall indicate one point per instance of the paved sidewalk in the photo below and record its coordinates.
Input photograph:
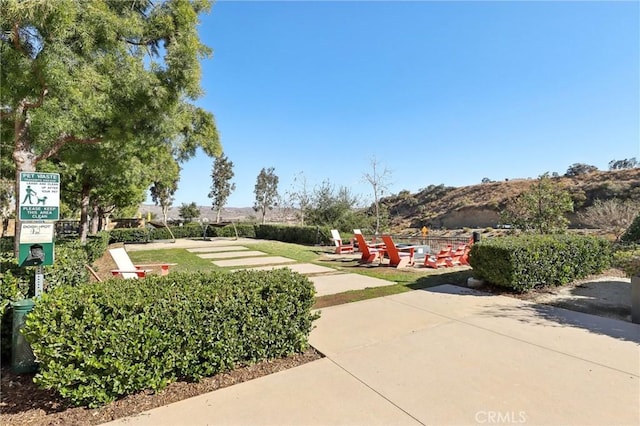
(441, 356)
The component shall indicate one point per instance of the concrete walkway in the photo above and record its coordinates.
(442, 356)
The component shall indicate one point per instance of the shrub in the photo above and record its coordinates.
(632, 234)
(522, 262)
(129, 235)
(6, 244)
(294, 234)
(98, 342)
(627, 258)
(96, 245)
(68, 268)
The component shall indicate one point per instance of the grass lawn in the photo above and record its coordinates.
(185, 260)
(405, 280)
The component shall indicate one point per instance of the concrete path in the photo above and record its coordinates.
(231, 254)
(301, 268)
(339, 283)
(442, 356)
(214, 249)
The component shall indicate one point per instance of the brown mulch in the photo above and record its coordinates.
(23, 403)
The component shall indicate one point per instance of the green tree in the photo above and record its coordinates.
(189, 211)
(541, 208)
(335, 208)
(627, 163)
(97, 179)
(578, 169)
(632, 234)
(266, 190)
(165, 185)
(162, 194)
(221, 186)
(101, 72)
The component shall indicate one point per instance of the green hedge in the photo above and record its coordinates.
(284, 233)
(627, 258)
(129, 235)
(97, 245)
(523, 262)
(97, 342)
(293, 234)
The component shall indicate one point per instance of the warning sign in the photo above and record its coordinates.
(39, 196)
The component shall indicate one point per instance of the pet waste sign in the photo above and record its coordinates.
(36, 244)
(39, 196)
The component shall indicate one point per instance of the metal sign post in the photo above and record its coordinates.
(39, 206)
(39, 280)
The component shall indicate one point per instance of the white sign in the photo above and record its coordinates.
(39, 196)
(31, 233)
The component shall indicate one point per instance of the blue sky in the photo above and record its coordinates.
(436, 92)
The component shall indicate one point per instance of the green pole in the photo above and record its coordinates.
(22, 358)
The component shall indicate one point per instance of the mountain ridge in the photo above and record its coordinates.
(471, 206)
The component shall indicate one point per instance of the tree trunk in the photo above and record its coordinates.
(96, 218)
(84, 211)
(25, 161)
(165, 212)
(218, 215)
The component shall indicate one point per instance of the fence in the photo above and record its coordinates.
(435, 244)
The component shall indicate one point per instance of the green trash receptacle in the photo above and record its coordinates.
(22, 358)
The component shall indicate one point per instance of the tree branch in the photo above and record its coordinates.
(62, 141)
(16, 37)
(28, 105)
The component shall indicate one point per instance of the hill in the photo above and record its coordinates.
(474, 206)
(479, 206)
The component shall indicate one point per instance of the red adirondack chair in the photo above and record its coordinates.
(369, 251)
(438, 260)
(398, 256)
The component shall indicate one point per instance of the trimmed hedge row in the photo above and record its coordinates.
(284, 233)
(292, 234)
(97, 342)
(523, 262)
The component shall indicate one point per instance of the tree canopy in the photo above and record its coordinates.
(577, 169)
(541, 208)
(627, 163)
(266, 191)
(221, 186)
(98, 72)
(189, 211)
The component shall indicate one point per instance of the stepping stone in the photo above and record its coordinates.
(230, 254)
(216, 249)
(339, 283)
(302, 268)
(252, 261)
